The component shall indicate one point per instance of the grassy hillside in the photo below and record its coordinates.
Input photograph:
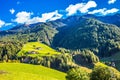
(19, 71)
(37, 49)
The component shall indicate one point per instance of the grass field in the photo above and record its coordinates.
(20, 71)
(34, 49)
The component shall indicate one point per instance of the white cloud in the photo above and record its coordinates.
(12, 11)
(8, 24)
(72, 9)
(45, 17)
(104, 11)
(2, 23)
(34, 20)
(25, 17)
(81, 7)
(97, 11)
(113, 10)
(87, 6)
(51, 16)
(111, 1)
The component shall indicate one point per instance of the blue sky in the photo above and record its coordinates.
(13, 12)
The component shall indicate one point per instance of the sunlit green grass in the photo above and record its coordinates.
(19, 71)
(43, 50)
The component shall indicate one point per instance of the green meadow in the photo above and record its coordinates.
(20, 71)
(34, 49)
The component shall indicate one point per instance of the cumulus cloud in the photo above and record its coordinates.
(87, 6)
(111, 1)
(34, 20)
(25, 17)
(50, 16)
(12, 11)
(113, 10)
(104, 11)
(72, 9)
(2, 23)
(81, 7)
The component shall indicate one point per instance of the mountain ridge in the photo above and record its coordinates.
(102, 18)
(75, 32)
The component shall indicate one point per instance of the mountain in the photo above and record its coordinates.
(5, 28)
(81, 41)
(24, 27)
(36, 32)
(88, 33)
(76, 32)
(112, 19)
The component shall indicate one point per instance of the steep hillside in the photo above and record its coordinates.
(112, 19)
(34, 49)
(115, 59)
(19, 71)
(38, 32)
(91, 34)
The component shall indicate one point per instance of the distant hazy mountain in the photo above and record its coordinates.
(113, 19)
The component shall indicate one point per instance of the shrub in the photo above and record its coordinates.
(103, 72)
(77, 74)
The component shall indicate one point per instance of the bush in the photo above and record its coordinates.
(103, 72)
(77, 74)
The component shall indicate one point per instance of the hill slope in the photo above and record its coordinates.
(75, 32)
(19, 71)
(113, 59)
(91, 34)
(36, 49)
